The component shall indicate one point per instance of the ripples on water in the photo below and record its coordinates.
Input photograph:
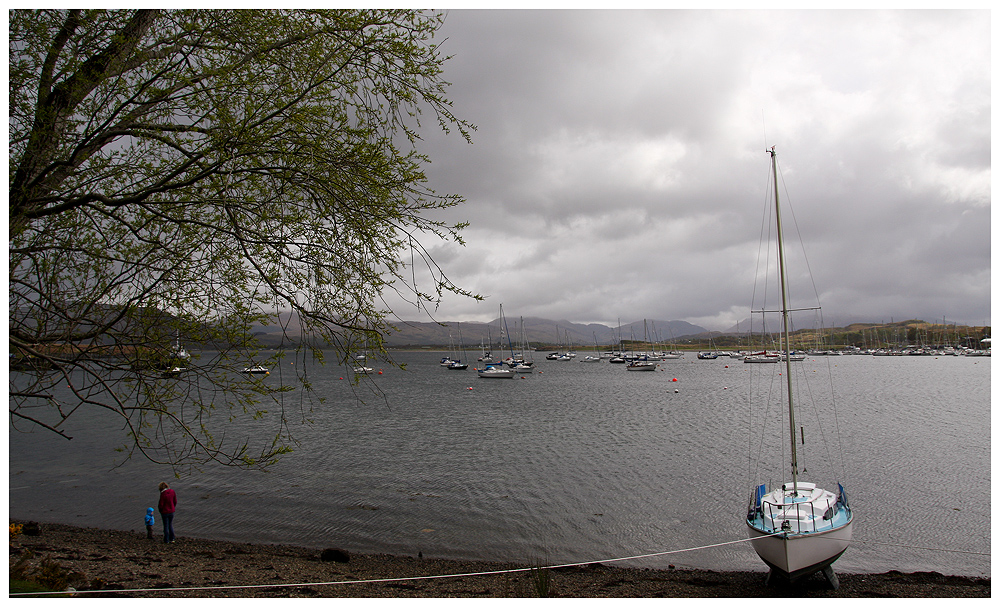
(576, 463)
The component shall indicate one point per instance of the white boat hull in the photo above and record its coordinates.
(642, 367)
(760, 359)
(793, 556)
(496, 373)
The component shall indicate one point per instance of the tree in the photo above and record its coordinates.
(189, 174)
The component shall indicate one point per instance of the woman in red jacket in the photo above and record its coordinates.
(168, 503)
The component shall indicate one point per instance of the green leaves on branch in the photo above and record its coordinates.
(189, 174)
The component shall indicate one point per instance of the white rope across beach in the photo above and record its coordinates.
(921, 547)
(388, 580)
(453, 575)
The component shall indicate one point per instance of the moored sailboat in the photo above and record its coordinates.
(797, 528)
(521, 361)
(456, 363)
(642, 362)
(497, 370)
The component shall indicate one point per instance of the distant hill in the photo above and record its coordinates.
(546, 334)
(540, 332)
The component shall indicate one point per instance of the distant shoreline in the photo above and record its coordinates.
(126, 563)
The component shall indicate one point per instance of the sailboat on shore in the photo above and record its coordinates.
(797, 528)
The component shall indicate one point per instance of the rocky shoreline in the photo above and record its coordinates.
(127, 564)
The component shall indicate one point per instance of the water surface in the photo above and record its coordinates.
(575, 463)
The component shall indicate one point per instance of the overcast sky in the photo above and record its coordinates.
(619, 167)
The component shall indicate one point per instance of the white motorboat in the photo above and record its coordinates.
(761, 357)
(641, 365)
(496, 372)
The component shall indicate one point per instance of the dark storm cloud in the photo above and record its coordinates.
(619, 170)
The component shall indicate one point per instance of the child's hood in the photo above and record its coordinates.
(149, 511)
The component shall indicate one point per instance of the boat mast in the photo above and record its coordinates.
(503, 330)
(525, 347)
(784, 321)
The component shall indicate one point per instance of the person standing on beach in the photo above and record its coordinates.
(168, 503)
(149, 523)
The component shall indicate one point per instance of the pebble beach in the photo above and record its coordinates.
(104, 562)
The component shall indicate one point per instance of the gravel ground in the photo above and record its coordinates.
(120, 563)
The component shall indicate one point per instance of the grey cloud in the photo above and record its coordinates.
(619, 165)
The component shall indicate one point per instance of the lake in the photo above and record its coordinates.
(575, 463)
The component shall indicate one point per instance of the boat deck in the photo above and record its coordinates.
(808, 510)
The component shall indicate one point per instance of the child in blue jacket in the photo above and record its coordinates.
(149, 523)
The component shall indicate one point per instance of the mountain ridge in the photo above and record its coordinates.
(538, 332)
(547, 334)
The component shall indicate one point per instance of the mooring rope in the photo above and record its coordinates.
(387, 580)
(922, 547)
(469, 574)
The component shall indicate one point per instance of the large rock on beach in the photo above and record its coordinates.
(335, 554)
